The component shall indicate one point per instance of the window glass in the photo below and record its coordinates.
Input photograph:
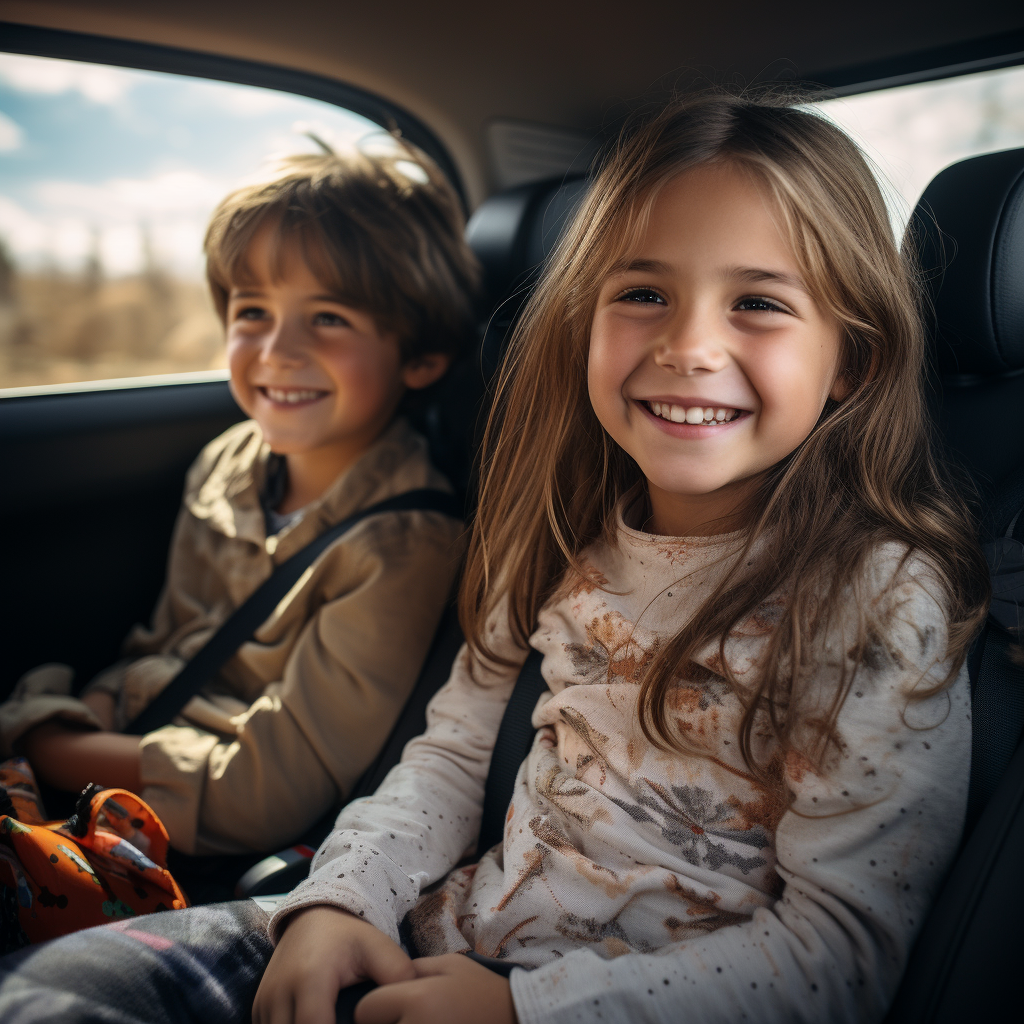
(107, 179)
(914, 131)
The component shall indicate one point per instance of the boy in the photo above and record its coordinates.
(343, 284)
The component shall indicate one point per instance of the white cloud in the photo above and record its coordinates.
(129, 199)
(69, 220)
(51, 77)
(23, 233)
(11, 135)
(246, 100)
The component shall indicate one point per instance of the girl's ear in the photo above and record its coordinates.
(841, 386)
(422, 371)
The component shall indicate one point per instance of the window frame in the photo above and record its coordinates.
(34, 41)
(989, 53)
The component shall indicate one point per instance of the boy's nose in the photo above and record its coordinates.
(282, 345)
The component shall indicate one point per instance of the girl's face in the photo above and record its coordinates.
(709, 359)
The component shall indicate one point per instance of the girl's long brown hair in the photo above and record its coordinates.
(551, 476)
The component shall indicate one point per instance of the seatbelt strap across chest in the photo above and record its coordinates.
(243, 622)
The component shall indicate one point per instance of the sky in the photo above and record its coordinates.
(94, 159)
(107, 161)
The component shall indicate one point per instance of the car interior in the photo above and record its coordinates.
(513, 104)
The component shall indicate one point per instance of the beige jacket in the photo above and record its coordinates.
(301, 710)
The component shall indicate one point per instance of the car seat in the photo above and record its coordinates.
(969, 229)
(512, 234)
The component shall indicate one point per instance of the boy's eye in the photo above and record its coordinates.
(641, 296)
(325, 319)
(251, 313)
(759, 304)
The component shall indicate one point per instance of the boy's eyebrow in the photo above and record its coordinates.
(255, 293)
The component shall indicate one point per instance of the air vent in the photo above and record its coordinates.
(522, 151)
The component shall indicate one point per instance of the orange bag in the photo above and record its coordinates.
(107, 861)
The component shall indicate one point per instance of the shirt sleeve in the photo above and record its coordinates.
(861, 850)
(309, 736)
(424, 817)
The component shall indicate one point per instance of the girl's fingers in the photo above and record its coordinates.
(450, 963)
(279, 1009)
(385, 1005)
(384, 961)
(314, 1004)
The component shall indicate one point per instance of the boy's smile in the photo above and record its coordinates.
(709, 360)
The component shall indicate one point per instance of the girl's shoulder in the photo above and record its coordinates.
(894, 575)
(900, 610)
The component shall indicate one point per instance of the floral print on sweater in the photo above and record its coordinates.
(637, 881)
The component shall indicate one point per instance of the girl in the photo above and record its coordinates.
(723, 530)
(725, 533)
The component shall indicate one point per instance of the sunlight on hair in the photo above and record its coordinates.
(412, 171)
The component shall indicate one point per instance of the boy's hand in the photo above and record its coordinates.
(69, 758)
(448, 990)
(322, 951)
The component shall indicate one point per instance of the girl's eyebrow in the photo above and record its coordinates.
(639, 266)
(755, 275)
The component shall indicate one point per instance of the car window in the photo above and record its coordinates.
(107, 179)
(914, 131)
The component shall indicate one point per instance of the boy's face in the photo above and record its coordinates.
(317, 375)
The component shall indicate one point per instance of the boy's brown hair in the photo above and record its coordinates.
(383, 232)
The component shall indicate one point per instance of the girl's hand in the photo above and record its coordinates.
(323, 950)
(448, 990)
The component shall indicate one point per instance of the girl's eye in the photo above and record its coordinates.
(326, 319)
(759, 304)
(641, 296)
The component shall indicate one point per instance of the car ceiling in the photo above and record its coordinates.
(457, 64)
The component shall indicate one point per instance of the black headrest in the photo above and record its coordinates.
(969, 229)
(513, 232)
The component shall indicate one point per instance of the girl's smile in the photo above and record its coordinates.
(709, 360)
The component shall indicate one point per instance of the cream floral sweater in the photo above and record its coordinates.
(642, 885)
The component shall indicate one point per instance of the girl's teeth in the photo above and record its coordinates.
(695, 414)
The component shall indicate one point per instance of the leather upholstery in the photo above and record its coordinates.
(969, 230)
(969, 227)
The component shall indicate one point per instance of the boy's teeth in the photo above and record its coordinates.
(292, 397)
(693, 414)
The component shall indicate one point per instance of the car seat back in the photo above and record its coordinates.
(969, 228)
(512, 233)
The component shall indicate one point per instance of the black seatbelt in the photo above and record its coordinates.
(997, 698)
(515, 737)
(257, 608)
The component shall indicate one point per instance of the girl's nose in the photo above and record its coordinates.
(691, 345)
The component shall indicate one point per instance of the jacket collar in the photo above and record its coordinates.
(228, 496)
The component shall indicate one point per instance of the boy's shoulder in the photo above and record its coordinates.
(227, 460)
